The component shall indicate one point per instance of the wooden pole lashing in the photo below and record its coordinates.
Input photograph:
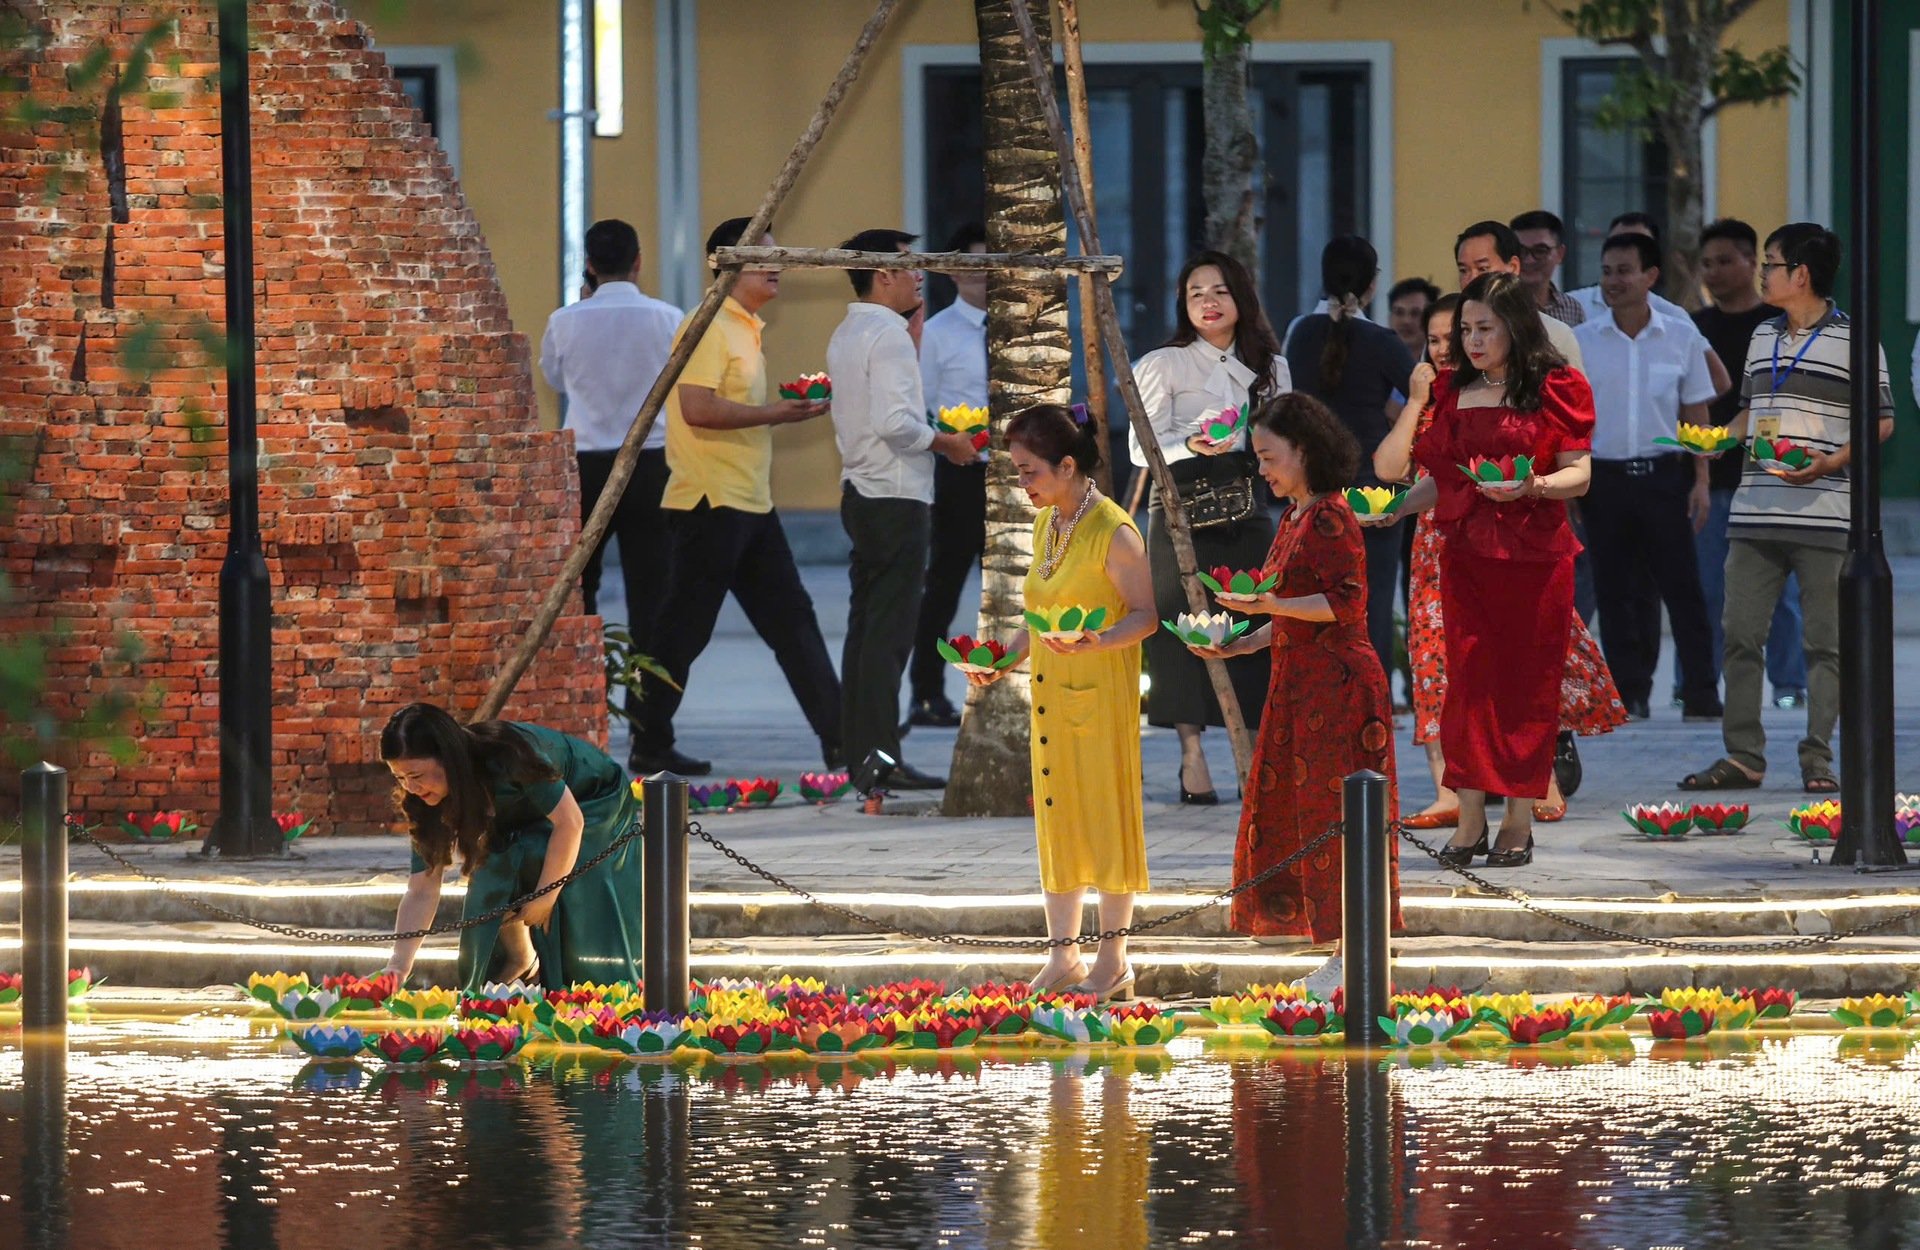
(1076, 67)
(937, 262)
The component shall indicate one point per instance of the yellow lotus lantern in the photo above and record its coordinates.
(1701, 440)
(964, 419)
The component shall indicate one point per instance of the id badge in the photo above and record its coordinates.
(1766, 423)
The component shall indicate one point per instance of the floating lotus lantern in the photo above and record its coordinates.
(998, 1018)
(1067, 1024)
(1420, 1027)
(1717, 819)
(824, 787)
(741, 1039)
(1780, 455)
(1906, 818)
(1206, 629)
(156, 826)
(965, 419)
(362, 994)
(1770, 1003)
(941, 1030)
(1228, 583)
(651, 1033)
(1818, 823)
(1140, 1025)
(1683, 1025)
(343, 1042)
(292, 824)
(422, 1004)
(530, 991)
(79, 982)
(1507, 469)
(974, 656)
(1661, 822)
(308, 1004)
(1499, 1006)
(1433, 998)
(1064, 624)
(1226, 426)
(753, 791)
(1303, 1019)
(270, 987)
(1534, 1028)
(1594, 1012)
(10, 986)
(487, 1008)
(1876, 1011)
(406, 1048)
(1247, 1007)
(1371, 503)
(1701, 440)
(816, 387)
(842, 1035)
(491, 1043)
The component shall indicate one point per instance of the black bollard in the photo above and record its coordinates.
(664, 924)
(1367, 912)
(43, 899)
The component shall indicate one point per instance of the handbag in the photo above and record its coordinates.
(1215, 490)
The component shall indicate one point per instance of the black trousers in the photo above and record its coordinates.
(1640, 538)
(959, 540)
(645, 549)
(887, 574)
(717, 550)
(1383, 576)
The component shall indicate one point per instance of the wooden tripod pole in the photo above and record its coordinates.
(1083, 162)
(623, 464)
(1108, 318)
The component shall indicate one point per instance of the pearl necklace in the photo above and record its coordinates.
(1058, 539)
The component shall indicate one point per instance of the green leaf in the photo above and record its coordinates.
(947, 652)
(1095, 619)
(1243, 584)
(1070, 619)
(1206, 579)
(1038, 622)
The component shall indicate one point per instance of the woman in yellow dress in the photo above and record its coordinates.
(1086, 696)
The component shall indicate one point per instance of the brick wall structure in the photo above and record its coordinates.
(413, 512)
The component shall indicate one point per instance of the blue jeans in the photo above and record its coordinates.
(1786, 657)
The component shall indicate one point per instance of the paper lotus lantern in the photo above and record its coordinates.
(1499, 1006)
(269, 987)
(817, 387)
(1593, 1012)
(1716, 819)
(965, 419)
(740, 1039)
(1780, 455)
(1660, 821)
(1226, 426)
(11, 984)
(492, 1043)
(527, 990)
(1000, 1019)
(156, 826)
(651, 1034)
(343, 1042)
(1423, 1028)
(1906, 818)
(1374, 501)
(1816, 822)
(79, 981)
(1141, 1026)
(299, 1004)
(1535, 1028)
(1770, 1003)
(422, 1004)
(943, 1031)
(969, 656)
(1067, 1024)
(1241, 584)
(292, 824)
(1303, 1019)
(1066, 623)
(824, 787)
(844, 1035)
(1701, 440)
(1247, 1008)
(1206, 629)
(753, 792)
(1876, 1011)
(406, 1049)
(362, 993)
(1680, 1026)
(708, 798)
(1505, 469)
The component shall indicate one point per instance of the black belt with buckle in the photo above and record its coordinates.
(1645, 466)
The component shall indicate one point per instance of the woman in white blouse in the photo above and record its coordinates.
(1223, 354)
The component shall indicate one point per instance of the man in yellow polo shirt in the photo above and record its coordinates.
(725, 534)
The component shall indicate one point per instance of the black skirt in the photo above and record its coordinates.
(1180, 693)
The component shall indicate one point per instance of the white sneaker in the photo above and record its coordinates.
(1325, 979)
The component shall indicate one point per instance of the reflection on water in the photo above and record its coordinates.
(211, 1133)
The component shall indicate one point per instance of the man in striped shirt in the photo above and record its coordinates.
(1797, 387)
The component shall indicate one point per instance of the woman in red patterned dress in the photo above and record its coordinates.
(1589, 702)
(1327, 712)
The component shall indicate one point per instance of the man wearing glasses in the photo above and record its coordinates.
(1542, 249)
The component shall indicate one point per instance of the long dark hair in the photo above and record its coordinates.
(1532, 356)
(1348, 266)
(473, 757)
(1254, 341)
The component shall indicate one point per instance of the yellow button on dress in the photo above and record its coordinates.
(1086, 725)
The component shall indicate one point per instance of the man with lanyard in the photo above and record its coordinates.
(1798, 389)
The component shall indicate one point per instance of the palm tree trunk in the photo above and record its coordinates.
(1232, 152)
(1029, 355)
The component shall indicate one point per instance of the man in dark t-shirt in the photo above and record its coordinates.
(1728, 260)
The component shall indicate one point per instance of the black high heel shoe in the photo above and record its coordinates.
(1205, 798)
(1461, 856)
(1514, 858)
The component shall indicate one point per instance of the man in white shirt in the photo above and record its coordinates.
(886, 495)
(1649, 373)
(953, 373)
(603, 354)
(1493, 247)
(1593, 299)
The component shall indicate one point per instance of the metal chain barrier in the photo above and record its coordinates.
(77, 833)
(1683, 945)
(1032, 944)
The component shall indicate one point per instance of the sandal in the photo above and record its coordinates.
(1818, 780)
(1445, 818)
(1723, 775)
(1550, 813)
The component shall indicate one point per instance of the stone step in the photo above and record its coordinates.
(721, 915)
(192, 954)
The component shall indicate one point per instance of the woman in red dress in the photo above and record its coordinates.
(1327, 712)
(1506, 569)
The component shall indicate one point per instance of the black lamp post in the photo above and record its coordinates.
(1867, 835)
(245, 827)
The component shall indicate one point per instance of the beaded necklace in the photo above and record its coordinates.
(1057, 539)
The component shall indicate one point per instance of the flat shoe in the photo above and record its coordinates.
(1446, 819)
(1550, 813)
